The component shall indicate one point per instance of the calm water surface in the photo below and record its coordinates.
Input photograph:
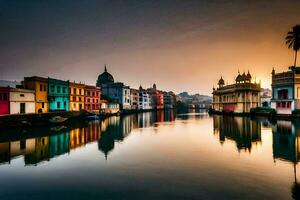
(159, 155)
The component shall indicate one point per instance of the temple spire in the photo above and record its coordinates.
(105, 68)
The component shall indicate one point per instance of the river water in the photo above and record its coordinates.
(155, 155)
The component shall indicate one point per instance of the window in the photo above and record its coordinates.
(58, 89)
(65, 104)
(58, 105)
(74, 90)
(41, 87)
(22, 144)
(52, 88)
(43, 104)
(22, 95)
(64, 90)
(80, 91)
(79, 98)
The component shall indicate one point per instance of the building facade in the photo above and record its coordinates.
(286, 91)
(237, 98)
(144, 99)
(21, 101)
(4, 101)
(58, 95)
(77, 94)
(112, 91)
(40, 86)
(157, 97)
(134, 98)
(265, 97)
(92, 98)
(168, 100)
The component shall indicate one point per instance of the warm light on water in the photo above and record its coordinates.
(153, 156)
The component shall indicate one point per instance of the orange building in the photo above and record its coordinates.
(40, 86)
(76, 96)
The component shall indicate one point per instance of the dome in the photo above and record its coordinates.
(221, 81)
(105, 77)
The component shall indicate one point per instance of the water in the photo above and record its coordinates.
(153, 156)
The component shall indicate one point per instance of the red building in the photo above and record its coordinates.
(4, 100)
(92, 98)
(157, 97)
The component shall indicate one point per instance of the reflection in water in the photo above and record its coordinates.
(62, 141)
(286, 147)
(244, 131)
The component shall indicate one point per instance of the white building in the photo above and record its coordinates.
(265, 97)
(21, 101)
(144, 99)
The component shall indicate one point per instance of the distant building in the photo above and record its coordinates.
(21, 101)
(92, 98)
(157, 97)
(114, 91)
(144, 99)
(109, 107)
(134, 98)
(168, 100)
(76, 96)
(239, 97)
(4, 101)
(286, 90)
(58, 95)
(265, 97)
(40, 86)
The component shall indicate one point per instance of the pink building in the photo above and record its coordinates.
(92, 98)
(4, 100)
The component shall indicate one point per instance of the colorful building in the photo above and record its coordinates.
(58, 95)
(77, 94)
(134, 98)
(112, 91)
(40, 86)
(21, 101)
(237, 98)
(92, 98)
(144, 99)
(286, 91)
(157, 97)
(4, 101)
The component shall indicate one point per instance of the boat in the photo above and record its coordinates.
(57, 120)
(92, 117)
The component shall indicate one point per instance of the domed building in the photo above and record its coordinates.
(236, 98)
(112, 91)
(104, 78)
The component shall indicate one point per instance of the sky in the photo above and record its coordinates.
(180, 45)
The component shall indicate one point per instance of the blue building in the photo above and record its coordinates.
(286, 91)
(58, 95)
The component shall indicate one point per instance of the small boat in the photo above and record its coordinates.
(92, 117)
(57, 120)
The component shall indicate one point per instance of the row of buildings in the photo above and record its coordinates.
(40, 95)
(243, 95)
(131, 98)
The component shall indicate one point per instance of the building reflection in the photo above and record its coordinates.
(62, 140)
(245, 132)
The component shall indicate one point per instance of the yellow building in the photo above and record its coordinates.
(76, 96)
(40, 86)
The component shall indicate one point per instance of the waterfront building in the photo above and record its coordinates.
(286, 90)
(114, 91)
(265, 97)
(144, 99)
(109, 107)
(157, 97)
(92, 98)
(134, 98)
(239, 97)
(4, 100)
(21, 101)
(58, 95)
(169, 100)
(77, 94)
(40, 86)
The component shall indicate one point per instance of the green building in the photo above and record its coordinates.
(58, 95)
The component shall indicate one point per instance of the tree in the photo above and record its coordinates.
(293, 40)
